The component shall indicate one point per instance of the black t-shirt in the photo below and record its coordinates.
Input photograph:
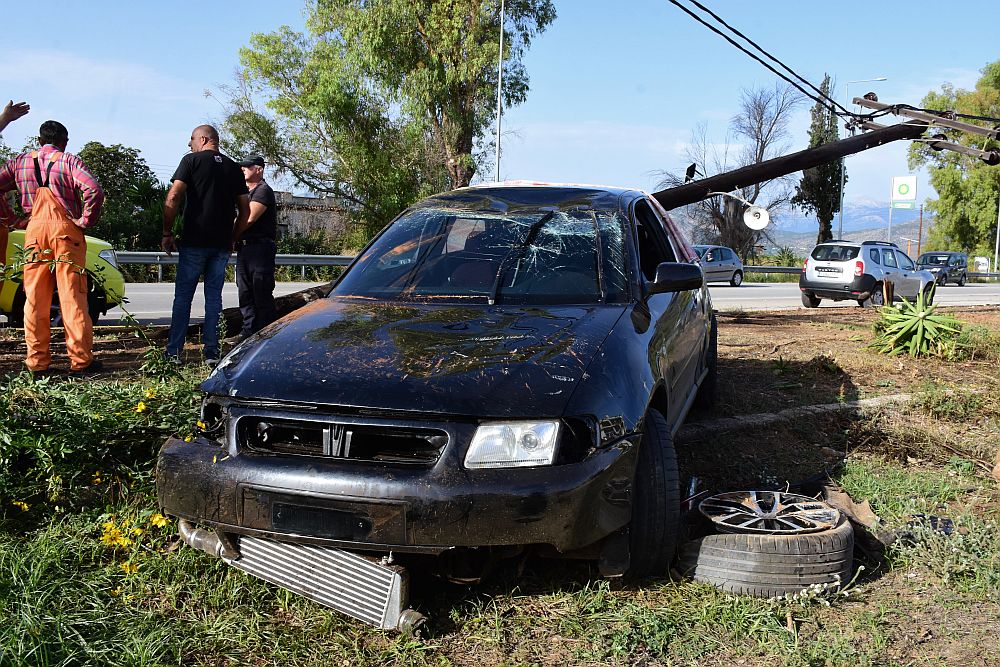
(266, 226)
(214, 183)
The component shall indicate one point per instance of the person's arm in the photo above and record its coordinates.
(242, 214)
(171, 207)
(12, 112)
(256, 211)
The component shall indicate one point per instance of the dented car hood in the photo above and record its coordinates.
(476, 360)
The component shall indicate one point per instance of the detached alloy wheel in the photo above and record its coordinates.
(772, 544)
(656, 501)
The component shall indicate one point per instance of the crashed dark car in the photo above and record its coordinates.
(500, 371)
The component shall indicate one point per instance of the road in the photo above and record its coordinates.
(150, 302)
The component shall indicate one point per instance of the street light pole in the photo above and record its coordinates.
(847, 94)
(499, 85)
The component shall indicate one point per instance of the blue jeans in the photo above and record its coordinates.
(192, 263)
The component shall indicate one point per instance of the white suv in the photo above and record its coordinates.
(841, 270)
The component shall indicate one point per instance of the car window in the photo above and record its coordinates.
(905, 261)
(873, 253)
(528, 257)
(958, 261)
(888, 257)
(834, 253)
(712, 256)
(652, 244)
(725, 255)
(933, 260)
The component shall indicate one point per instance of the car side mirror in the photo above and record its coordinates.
(675, 277)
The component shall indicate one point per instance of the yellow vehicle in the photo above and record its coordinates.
(105, 283)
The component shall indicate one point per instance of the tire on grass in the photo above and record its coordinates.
(762, 565)
(656, 501)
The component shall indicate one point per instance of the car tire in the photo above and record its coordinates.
(97, 305)
(705, 398)
(962, 279)
(876, 298)
(762, 565)
(929, 294)
(810, 301)
(737, 279)
(656, 500)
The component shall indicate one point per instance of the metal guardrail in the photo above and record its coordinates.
(161, 259)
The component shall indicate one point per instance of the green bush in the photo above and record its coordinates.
(63, 440)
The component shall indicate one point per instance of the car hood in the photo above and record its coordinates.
(474, 360)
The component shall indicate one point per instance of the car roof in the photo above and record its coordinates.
(529, 195)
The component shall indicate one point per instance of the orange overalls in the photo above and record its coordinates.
(52, 239)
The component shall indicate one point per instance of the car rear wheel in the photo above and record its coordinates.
(653, 533)
(810, 301)
(929, 294)
(737, 279)
(876, 299)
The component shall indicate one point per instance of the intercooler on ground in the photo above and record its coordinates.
(356, 586)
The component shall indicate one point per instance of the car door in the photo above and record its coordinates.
(728, 264)
(674, 317)
(890, 268)
(908, 282)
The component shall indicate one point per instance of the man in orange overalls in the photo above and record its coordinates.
(62, 199)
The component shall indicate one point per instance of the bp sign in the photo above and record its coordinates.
(904, 191)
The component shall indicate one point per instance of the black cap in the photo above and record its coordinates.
(253, 160)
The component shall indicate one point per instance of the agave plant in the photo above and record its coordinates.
(913, 327)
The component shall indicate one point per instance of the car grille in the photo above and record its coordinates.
(292, 435)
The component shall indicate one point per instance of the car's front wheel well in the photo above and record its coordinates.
(659, 401)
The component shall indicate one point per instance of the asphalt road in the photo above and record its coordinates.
(150, 302)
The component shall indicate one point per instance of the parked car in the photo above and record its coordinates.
(105, 283)
(500, 371)
(720, 264)
(946, 266)
(840, 270)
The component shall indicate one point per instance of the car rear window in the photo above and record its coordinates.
(834, 253)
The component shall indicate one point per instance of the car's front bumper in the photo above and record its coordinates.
(370, 507)
(858, 289)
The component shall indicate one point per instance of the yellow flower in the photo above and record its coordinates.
(137, 531)
(116, 592)
(141, 407)
(158, 520)
(96, 478)
(188, 438)
(21, 505)
(150, 393)
(200, 424)
(129, 568)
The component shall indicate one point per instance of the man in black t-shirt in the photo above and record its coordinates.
(217, 204)
(255, 250)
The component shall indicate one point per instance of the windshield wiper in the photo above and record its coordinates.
(520, 250)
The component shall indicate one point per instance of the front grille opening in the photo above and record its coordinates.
(385, 444)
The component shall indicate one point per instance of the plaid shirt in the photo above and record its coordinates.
(70, 182)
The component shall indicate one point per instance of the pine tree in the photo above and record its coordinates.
(819, 190)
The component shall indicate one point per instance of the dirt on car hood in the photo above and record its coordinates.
(474, 360)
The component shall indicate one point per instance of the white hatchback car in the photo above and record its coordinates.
(840, 270)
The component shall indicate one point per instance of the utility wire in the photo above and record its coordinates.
(757, 46)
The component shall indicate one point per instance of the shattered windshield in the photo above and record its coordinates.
(524, 257)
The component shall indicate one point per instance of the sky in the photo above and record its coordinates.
(617, 89)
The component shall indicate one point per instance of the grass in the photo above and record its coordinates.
(90, 574)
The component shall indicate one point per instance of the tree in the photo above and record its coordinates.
(758, 132)
(133, 198)
(381, 101)
(820, 188)
(968, 190)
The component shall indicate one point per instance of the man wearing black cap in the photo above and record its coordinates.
(255, 250)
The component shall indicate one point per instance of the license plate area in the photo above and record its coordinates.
(319, 522)
(828, 270)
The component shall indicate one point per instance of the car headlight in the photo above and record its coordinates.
(513, 445)
(109, 256)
